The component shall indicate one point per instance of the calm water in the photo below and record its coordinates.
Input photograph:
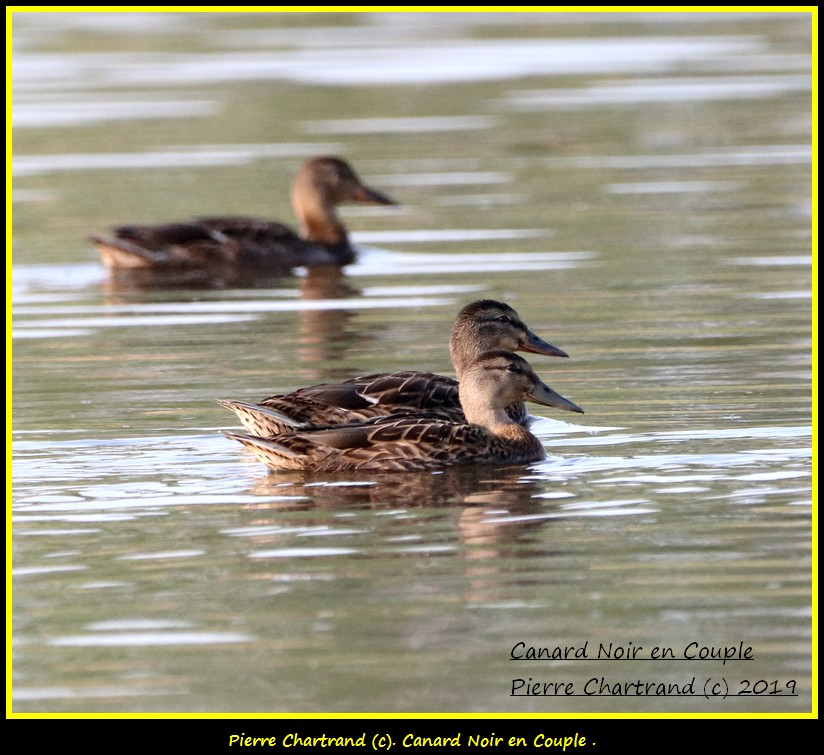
(636, 185)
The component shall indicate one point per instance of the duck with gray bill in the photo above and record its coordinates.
(401, 443)
(484, 325)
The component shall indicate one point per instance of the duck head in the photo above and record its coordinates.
(488, 325)
(498, 379)
(323, 184)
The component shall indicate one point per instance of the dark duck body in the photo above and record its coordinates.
(486, 434)
(482, 326)
(223, 246)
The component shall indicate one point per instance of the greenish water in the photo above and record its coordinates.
(636, 185)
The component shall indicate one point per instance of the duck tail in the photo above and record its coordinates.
(273, 454)
(120, 253)
(261, 420)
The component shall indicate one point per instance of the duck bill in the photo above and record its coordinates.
(536, 345)
(543, 394)
(370, 196)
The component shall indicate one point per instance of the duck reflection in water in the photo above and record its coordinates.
(485, 511)
(327, 333)
(464, 485)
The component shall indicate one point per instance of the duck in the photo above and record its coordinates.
(487, 434)
(484, 325)
(226, 244)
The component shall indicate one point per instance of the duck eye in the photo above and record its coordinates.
(504, 319)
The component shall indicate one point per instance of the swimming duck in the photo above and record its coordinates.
(488, 386)
(484, 325)
(226, 243)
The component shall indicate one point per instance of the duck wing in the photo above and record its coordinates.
(363, 398)
(217, 245)
(388, 444)
(261, 240)
(250, 229)
(368, 396)
(169, 246)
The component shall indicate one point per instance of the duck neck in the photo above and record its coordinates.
(494, 419)
(463, 353)
(320, 223)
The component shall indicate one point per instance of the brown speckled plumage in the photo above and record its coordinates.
(482, 326)
(388, 444)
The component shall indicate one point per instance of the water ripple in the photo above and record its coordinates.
(142, 639)
(302, 552)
